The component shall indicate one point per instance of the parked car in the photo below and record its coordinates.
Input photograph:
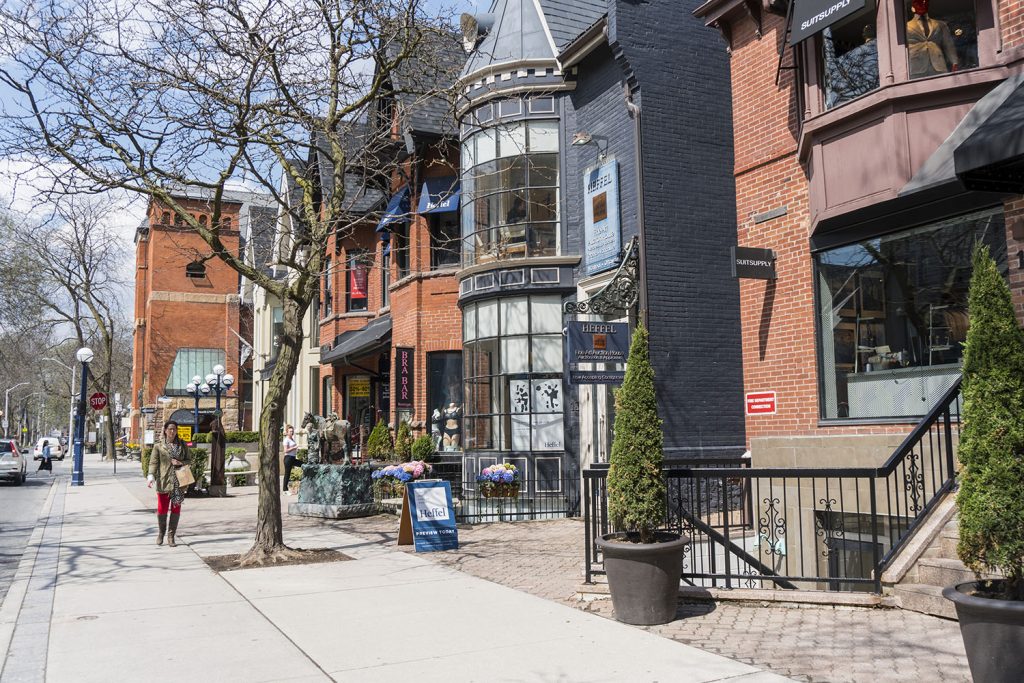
(13, 462)
(56, 452)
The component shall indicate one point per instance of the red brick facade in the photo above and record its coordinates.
(174, 311)
(775, 172)
(422, 304)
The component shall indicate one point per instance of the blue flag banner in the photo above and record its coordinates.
(432, 515)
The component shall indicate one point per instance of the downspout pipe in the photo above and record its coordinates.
(634, 113)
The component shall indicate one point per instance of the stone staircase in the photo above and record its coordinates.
(920, 589)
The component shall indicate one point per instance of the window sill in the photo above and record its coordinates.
(425, 275)
(519, 262)
(866, 421)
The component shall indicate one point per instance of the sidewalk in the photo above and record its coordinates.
(123, 608)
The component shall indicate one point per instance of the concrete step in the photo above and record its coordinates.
(940, 571)
(924, 598)
(947, 546)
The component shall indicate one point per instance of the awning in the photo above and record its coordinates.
(355, 344)
(439, 195)
(814, 16)
(935, 192)
(397, 209)
(992, 157)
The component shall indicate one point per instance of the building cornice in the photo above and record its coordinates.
(532, 262)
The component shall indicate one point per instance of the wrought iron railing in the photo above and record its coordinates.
(822, 528)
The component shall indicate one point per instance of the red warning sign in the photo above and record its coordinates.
(761, 403)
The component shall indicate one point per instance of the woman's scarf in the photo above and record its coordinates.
(175, 450)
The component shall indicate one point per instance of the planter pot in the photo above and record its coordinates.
(993, 633)
(644, 577)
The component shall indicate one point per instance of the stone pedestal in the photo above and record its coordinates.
(335, 492)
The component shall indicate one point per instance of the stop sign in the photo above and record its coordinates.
(98, 401)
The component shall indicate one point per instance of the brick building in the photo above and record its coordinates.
(187, 317)
(848, 165)
(588, 127)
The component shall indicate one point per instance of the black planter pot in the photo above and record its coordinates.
(993, 633)
(644, 577)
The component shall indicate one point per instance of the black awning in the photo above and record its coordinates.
(992, 157)
(813, 16)
(350, 346)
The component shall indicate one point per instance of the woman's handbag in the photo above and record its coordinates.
(184, 475)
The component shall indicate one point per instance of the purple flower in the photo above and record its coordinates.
(507, 477)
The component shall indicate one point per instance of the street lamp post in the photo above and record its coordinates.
(84, 356)
(7, 405)
(71, 410)
(220, 383)
(197, 388)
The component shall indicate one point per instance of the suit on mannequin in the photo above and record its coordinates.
(929, 44)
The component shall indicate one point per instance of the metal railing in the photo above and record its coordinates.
(788, 528)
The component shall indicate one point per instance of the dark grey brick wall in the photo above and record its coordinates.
(681, 73)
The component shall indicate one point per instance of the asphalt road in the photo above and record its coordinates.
(19, 512)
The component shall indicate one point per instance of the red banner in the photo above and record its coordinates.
(357, 277)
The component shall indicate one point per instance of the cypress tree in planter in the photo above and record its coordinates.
(643, 565)
(991, 497)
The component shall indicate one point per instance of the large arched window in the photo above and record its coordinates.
(510, 192)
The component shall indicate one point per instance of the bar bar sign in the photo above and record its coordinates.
(404, 377)
(749, 262)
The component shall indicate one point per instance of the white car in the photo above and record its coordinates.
(13, 462)
(56, 452)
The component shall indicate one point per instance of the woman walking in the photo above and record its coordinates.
(167, 456)
(47, 462)
(291, 448)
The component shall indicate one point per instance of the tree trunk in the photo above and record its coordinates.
(268, 545)
(109, 428)
(217, 448)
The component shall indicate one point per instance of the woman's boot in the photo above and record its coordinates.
(172, 529)
(161, 521)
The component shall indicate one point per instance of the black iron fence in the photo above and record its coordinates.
(820, 528)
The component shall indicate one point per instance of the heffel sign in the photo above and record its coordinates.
(812, 16)
(595, 342)
(601, 218)
(404, 377)
(753, 263)
(432, 515)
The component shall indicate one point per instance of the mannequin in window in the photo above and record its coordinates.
(452, 427)
(929, 44)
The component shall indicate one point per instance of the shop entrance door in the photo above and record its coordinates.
(359, 408)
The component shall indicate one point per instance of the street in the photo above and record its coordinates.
(19, 511)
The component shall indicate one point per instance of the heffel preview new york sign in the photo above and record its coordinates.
(812, 16)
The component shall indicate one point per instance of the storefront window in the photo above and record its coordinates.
(513, 368)
(444, 395)
(942, 36)
(893, 316)
(510, 192)
(850, 57)
(444, 240)
(356, 297)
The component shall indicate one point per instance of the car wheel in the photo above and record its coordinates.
(18, 481)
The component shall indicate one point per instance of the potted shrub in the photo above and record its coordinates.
(991, 497)
(423, 448)
(403, 441)
(378, 445)
(643, 564)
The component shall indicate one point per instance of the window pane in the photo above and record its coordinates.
(469, 322)
(850, 57)
(543, 205)
(512, 241)
(543, 136)
(893, 316)
(547, 353)
(520, 400)
(546, 314)
(543, 170)
(511, 139)
(941, 37)
(513, 316)
(486, 179)
(513, 207)
(544, 239)
(512, 172)
(487, 318)
(485, 147)
(515, 355)
(468, 160)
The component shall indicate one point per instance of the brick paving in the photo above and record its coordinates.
(544, 558)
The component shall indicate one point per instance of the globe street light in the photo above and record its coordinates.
(196, 389)
(7, 401)
(219, 382)
(84, 356)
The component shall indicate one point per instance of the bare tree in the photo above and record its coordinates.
(74, 285)
(192, 96)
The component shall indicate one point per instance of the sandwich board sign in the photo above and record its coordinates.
(428, 516)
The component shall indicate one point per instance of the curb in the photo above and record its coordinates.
(11, 606)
